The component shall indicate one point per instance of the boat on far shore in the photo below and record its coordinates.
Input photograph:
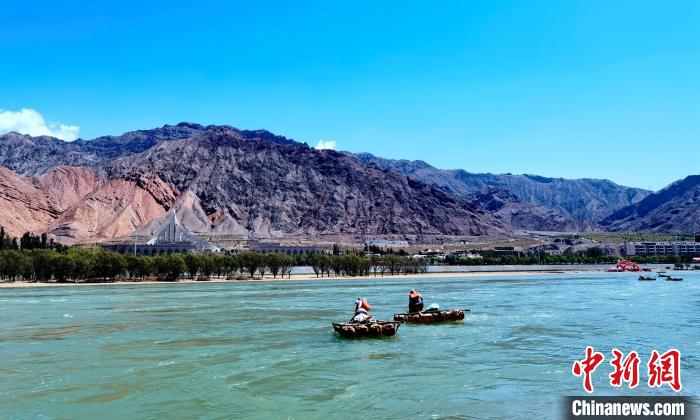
(669, 278)
(647, 278)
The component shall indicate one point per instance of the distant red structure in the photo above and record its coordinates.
(625, 265)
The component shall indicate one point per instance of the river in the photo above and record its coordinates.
(267, 349)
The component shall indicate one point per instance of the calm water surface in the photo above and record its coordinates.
(267, 350)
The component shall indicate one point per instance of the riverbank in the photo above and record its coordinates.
(306, 277)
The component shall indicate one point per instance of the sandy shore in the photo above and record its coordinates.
(305, 277)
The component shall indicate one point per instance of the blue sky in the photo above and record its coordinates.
(600, 89)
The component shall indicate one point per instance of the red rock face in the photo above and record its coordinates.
(23, 206)
(68, 185)
(116, 208)
(75, 204)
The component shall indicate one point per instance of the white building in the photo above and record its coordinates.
(384, 243)
(662, 248)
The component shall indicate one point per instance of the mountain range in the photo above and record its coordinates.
(674, 209)
(241, 183)
(586, 201)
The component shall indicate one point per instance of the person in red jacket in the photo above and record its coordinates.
(362, 309)
(415, 301)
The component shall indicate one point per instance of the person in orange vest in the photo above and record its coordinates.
(415, 301)
(362, 309)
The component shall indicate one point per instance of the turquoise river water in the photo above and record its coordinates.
(267, 349)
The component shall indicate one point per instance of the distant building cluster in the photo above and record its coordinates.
(285, 249)
(663, 248)
(385, 243)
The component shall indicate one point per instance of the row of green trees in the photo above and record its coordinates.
(28, 241)
(531, 259)
(573, 258)
(44, 263)
(361, 265)
(79, 264)
(6, 241)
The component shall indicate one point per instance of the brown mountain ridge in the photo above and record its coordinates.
(230, 182)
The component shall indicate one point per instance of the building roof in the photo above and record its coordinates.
(385, 242)
(664, 243)
(174, 233)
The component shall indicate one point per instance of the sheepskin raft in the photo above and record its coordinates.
(428, 317)
(366, 329)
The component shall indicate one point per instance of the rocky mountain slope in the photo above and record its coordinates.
(23, 205)
(519, 215)
(75, 204)
(275, 188)
(675, 209)
(116, 208)
(226, 181)
(586, 200)
(67, 185)
(31, 156)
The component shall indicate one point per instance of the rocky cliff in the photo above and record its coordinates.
(585, 200)
(274, 188)
(675, 209)
(226, 181)
(75, 204)
(509, 208)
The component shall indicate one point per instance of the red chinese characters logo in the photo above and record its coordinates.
(587, 366)
(665, 369)
(662, 369)
(626, 370)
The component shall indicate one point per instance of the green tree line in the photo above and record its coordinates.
(590, 256)
(28, 241)
(358, 264)
(77, 264)
(34, 258)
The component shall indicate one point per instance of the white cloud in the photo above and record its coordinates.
(325, 144)
(29, 121)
